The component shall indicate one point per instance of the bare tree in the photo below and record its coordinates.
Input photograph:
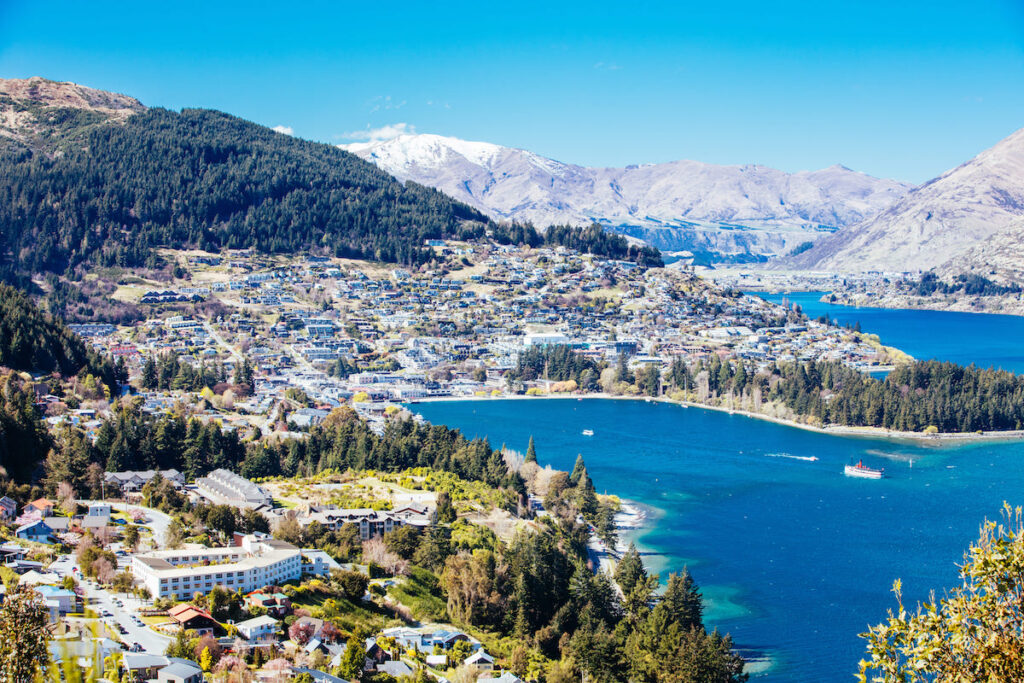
(66, 497)
(104, 570)
(104, 535)
(374, 551)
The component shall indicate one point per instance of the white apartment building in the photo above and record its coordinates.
(258, 562)
(224, 487)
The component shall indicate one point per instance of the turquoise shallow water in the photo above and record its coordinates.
(795, 558)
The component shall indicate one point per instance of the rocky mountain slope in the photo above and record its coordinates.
(751, 211)
(967, 219)
(41, 114)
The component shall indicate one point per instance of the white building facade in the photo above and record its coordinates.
(258, 562)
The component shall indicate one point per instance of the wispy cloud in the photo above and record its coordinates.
(607, 66)
(287, 130)
(392, 130)
(385, 103)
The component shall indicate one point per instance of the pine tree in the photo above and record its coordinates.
(577, 470)
(683, 601)
(531, 451)
(630, 570)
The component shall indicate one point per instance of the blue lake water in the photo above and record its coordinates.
(983, 339)
(794, 558)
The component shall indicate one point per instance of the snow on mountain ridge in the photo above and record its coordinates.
(517, 184)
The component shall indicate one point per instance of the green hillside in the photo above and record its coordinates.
(206, 179)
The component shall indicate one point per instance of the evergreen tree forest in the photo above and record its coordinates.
(969, 284)
(31, 340)
(558, 363)
(205, 179)
(592, 239)
(913, 397)
(24, 440)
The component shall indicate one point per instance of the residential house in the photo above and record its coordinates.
(395, 668)
(95, 522)
(276, 604)
(259, 629)
(192, 618)
(142, 666)
(63, 599)
(58, 525)
(480, 660)
(34, 531)
(180, 672)
(41, 505)
(375, 654)
(317, 624)
(425, 641)
(8, 508)
(10, 552)
(132, 481)
(99, 509)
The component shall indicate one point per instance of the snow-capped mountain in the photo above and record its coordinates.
(741, 211)
(967, 219)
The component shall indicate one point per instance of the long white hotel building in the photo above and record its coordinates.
(256, 563)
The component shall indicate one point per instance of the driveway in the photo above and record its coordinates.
(157, 521)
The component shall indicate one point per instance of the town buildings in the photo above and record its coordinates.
(224, 487)
(258, 562)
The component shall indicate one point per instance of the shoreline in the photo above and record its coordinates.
(1007, 305)
(881, 433)
(631, 520)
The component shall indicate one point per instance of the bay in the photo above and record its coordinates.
(985, 339)
(794, 558)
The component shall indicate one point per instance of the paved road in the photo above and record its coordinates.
(157, 521)
(100, 599)
(220, 341)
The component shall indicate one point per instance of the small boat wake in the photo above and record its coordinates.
(805, 458)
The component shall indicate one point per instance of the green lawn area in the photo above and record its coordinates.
(347, 615)
(421, 593)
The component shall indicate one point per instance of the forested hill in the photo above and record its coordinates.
(206, 179)
(34, 341)
(93, 177)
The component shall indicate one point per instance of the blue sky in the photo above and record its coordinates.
(899, 89)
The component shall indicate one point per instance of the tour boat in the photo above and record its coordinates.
(588, 432)
(863, 471)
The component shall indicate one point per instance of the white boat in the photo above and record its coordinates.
(588, 432)
(863, 471)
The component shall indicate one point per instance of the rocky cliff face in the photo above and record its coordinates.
(963, 217)
(683, 205)
(42, 114)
